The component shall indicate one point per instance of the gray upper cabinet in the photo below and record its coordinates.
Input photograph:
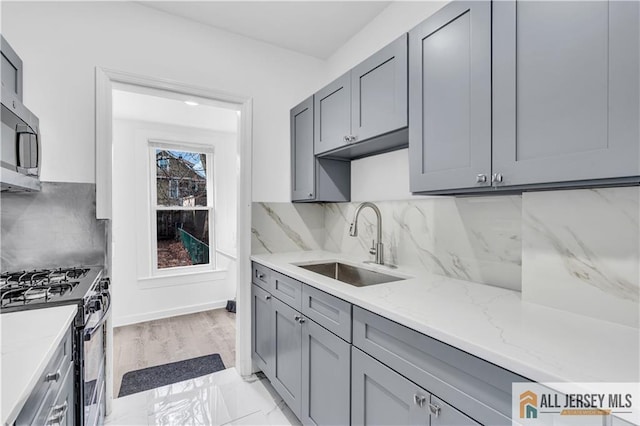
(326, 366)
(379, 90)
(332, 108)
(364, 112)
(302, 158)
(314, 179)
(450, 98)
(566, 90)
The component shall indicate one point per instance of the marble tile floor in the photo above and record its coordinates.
(221, 398)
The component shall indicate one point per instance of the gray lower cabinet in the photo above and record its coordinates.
(314, 179)
(307, 364)
(450, 98)
(380, 396)
(262, 324)
(326, 364)
(566, 84)
(287, 373)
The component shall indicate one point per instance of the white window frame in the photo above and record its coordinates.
(154, 208)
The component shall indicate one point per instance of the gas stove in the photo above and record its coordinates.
(42, 288)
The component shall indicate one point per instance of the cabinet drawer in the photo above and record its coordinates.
(50, 382)
(478, 388)
(330, 312)
(260, 275)
(286, 289)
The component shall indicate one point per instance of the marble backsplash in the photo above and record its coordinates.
(574, 250)
(475, 239)
(54, 227)
(581, 252)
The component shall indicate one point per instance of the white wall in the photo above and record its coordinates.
(62, 42)
(138, 295)
(385, 176)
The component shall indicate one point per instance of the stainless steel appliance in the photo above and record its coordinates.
(86, 287)
(20, 154)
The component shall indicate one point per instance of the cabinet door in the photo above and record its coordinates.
(262, 327)
(450, 98)
(302, 159)
(442, 414)
(326, 363)
(332, 112)
(288, 350)
(379, 92)
(566, 84)
(380, 396)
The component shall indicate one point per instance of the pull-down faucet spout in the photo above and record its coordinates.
(378, 247)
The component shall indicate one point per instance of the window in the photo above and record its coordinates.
(182, 205)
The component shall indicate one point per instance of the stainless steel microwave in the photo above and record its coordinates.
(20, 154)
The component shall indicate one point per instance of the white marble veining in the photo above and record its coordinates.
(221, 398)
(278, 227)
(537, 342)
(476, 239)
(29, 340)
(581, 252)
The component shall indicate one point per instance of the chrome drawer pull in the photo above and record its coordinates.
(419, 400)
(52, 377)
(260, 276)
(435, 409)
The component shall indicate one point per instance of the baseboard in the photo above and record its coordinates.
(156, 315)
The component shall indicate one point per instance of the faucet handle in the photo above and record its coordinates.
(353, 229)
(373, 249)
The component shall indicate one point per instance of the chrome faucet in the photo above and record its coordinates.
(378, 247)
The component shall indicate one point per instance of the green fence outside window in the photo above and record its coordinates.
(198, 251)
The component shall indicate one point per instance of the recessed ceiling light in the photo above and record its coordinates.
(191, 103)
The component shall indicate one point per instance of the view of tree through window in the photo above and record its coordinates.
(182, 208)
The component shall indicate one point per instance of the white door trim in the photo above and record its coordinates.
(105, 79)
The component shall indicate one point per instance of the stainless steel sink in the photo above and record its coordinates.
(353, 275)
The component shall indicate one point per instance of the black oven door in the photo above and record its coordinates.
(94, 352)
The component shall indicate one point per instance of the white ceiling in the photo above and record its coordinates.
(315, 28)
(138, 106)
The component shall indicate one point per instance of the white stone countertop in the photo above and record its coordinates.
(29, 340)
(540, 343)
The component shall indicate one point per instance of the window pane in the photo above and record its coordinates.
(181, 178)
(183, 238)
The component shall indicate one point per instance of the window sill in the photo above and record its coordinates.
(182, 278)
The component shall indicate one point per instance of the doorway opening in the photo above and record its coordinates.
(173, 177)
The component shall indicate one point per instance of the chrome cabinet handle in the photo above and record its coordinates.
(52, 377)
(260, 276)
(267, 297)
(301, 320)
(435, 409)
(346, 138)
(297, 318)
(311, 195)
(419, 400)
(481, 178)
(496, 178)
(352, 138)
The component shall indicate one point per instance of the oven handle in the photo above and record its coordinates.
(88, 332)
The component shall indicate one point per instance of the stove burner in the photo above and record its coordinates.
(38, 285)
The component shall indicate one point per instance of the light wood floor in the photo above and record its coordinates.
(173, 339)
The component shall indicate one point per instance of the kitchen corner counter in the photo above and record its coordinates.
(29, 340)
(540, 343)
